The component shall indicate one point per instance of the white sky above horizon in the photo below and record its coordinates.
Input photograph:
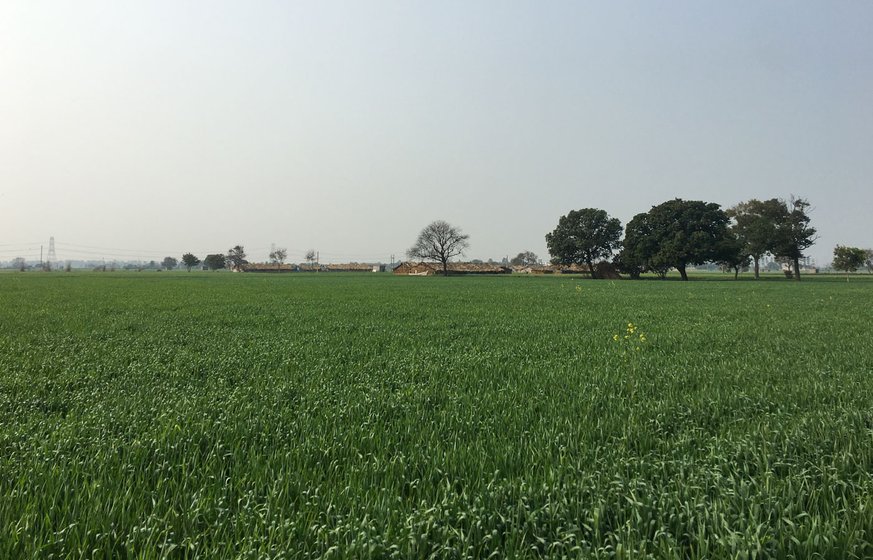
(143, 129)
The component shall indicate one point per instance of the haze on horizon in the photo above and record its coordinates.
(155, 128)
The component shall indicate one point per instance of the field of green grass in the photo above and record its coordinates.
(180, 415)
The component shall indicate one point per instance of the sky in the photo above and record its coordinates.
(137, 130)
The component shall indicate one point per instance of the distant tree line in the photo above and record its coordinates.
(681, 233)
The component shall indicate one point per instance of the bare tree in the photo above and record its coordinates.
(278, 256)
(310, 256)
(439, 241)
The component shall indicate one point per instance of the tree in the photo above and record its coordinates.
(19, 263)
(169, 263)
(439, 241)
(755, 223)
(868, 261)
(734, 255)
(525, 258)
(236, 257)
(675, 234)
(278, 256)
(311, 256)
(849, 259)
(190, 261)
(638, 249)
(215, 261)
(793, 234)
(583, 237)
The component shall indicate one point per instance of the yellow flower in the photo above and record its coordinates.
(615, 337)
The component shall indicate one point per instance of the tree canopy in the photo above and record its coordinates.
(214, 261)
(755, 223)
(675, 234)
(439, 241)
(584, 237)
(190, 261)
(849, 259)
(169, 263)
(793, 233)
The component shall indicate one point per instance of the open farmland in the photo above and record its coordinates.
(370, 416)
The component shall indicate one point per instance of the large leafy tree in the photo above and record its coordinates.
(849, 259)
(793, 233)
(439, 241)
(584, 237)
(639, 249)
(190, 261)
(679, 233)
(755, 223)
(734, 254)
(214, 261)
(169, 263)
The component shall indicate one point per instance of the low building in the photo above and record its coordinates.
(532, 269)
(454, 268)
(353, 267)
(266, 267)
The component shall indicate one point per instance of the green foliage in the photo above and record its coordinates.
(214, 261)
(794, 234)
(290, 416)
(190, 261)
(584, 237)
(169, 263)
(675, 234)
(849, 259)
(755, 226)
(733, 255)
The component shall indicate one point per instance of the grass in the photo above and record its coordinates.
(367, 416)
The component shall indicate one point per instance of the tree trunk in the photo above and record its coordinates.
(445, 267)
(757, 267)
(736, 272)
(682, 272)
(797, 269)
(591, 268)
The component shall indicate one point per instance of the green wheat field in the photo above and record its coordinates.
(218, 415)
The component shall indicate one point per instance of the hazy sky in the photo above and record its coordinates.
(151, 128)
